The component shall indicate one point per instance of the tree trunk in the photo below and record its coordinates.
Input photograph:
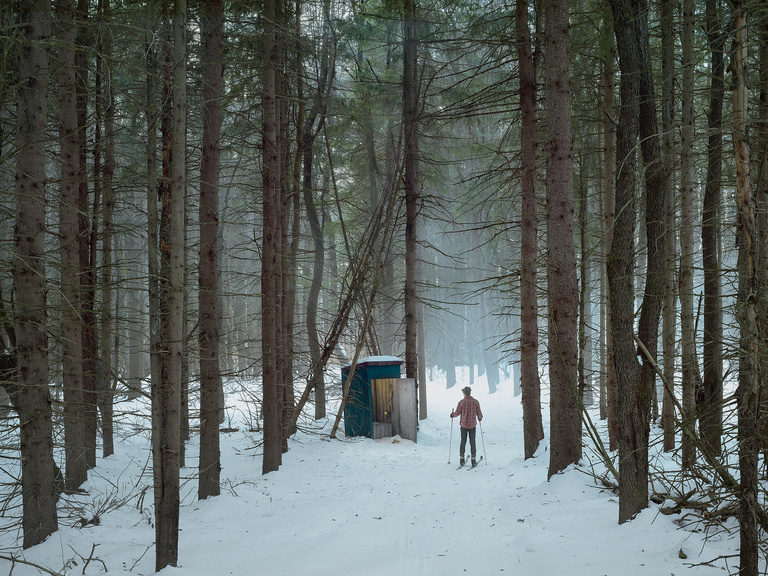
(585, 290)
(449, 364)
(287, 286)
(92, 333)
(166, 437)
(135, 335)
(711, 409)
(76, 471)
(669, 308)
(635, 383)
(313, 121)
(748, 392)
(533, 429)
(390, 292)
(621, 263)
(760, 132)
(86, 224)
(270, 274)
(28, 264)
(107, 96)
(412, 184)
(609, 216)
(292, 272)
(423, 412)
(602, 379)
(135, 332)
(749, 304)
(153, 195)
(648, 323)
(563, 290)
(317, 269)
(208, 331)
(490, 358)
(185, 336)
(689, 360)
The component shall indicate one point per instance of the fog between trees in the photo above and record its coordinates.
(572, 194)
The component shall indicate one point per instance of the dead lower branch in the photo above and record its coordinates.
(17, 560)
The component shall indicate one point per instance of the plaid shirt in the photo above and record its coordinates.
(469, 410)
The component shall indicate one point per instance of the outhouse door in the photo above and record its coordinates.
(394, 407)
(381, 395)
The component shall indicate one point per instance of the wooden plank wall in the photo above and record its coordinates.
(405, 398)
(398, 397)
(382, 399)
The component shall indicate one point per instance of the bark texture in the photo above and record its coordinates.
(621, 265)
(411, 183)
(313, 122)
(270, 265)
(748, 310)
(108, 169)
(166, 438)
(533, 429)
(88, 214)
(563, 289)
(689, 359)
(609, 404)
(653, 294)
(208, 326)
(153, 196)
(711, 409)
(76, 465)
(669, 306)
(33, 400)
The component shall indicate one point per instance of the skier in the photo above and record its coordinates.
(469, 410)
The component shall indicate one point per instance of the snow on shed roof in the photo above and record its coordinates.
(376, 360)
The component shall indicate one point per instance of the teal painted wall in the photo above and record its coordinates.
(358, 411)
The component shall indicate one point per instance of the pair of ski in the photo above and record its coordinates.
(471, 467)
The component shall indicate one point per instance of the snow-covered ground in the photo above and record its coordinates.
(364, 507)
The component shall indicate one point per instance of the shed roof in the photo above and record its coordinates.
(377, 361)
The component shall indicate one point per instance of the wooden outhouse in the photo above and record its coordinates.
(380, 403)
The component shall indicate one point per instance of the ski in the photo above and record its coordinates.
(475, 466)
(460, 466)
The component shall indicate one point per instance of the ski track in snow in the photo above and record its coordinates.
(384, 507)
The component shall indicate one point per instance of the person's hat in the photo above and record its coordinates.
(467, 390)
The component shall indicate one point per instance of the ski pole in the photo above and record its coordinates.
(450, 443)
(482, 436)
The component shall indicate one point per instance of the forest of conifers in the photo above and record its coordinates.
(575, 194)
